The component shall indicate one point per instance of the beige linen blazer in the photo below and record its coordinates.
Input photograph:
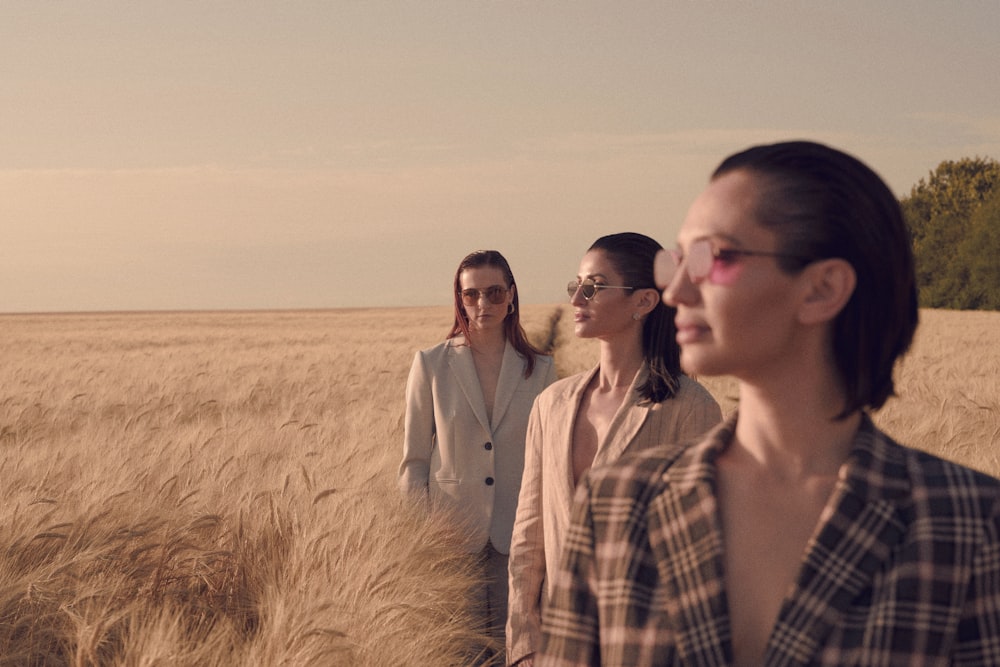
(453, 454)
(543, 512)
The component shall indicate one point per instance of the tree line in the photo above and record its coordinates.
(954, 220)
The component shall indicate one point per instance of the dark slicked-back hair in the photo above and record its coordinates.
(822, 203)
(632, 256)
(513, 331)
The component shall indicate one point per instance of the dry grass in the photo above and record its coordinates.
(949, 389)
(219, 489)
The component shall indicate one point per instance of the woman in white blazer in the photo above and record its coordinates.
(636, 398)
(467, 406)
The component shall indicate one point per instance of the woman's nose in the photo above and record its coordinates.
(680, 289)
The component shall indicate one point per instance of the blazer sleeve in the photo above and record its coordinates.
(418, 429)
(527, 552)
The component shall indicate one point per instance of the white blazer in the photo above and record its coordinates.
(452, 453)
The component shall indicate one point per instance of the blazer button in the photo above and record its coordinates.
(488, 445)
(489, 481)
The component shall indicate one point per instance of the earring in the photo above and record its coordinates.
(510, 309)
(636, 316)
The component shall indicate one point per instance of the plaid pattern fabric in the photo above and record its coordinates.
(904, 568)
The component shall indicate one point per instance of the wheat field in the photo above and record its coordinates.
(219, 488)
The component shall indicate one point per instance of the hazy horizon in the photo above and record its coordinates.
(315, 155)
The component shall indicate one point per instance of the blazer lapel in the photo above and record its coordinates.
(855, 536)
(686, 540)
(626, 422)
(464, 370)
(569, 405)
(511, 374)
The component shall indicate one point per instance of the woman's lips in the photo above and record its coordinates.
(691, 332)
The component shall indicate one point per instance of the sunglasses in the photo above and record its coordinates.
(495, 294)
(702, 256)
(588, 288)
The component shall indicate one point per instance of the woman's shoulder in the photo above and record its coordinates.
(542, 361)
(691, 397)
(434, 356)
(567, 386)
(942, 487)
(935, 471)
(689, 387)
(443, 347)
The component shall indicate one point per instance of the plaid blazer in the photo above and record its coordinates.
(903, 568)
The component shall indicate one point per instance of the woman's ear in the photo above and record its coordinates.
(829, 284)
(647, 300)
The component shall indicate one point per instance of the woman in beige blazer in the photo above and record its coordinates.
(637, 397)
(467, 406)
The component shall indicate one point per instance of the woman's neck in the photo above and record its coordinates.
(620, 361)
(792, 428)
(492, 340)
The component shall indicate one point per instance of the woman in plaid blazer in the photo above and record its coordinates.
(795, 533)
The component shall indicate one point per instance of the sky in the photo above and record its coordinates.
(283, 155)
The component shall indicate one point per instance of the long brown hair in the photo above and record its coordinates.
(513, 331)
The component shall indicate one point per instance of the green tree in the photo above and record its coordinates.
(982, 250)
(940, 277)
(940, 211)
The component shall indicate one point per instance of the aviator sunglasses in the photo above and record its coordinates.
(702, 256)
(495, 294)
(588, 288)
